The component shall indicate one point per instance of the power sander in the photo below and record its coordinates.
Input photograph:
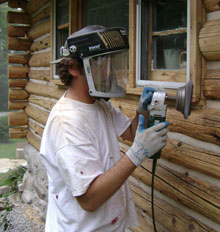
(157, 113)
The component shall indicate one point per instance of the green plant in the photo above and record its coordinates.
(7, 207)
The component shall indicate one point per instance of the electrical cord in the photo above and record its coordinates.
(154, 165)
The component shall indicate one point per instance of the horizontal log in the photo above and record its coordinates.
(202, 124)
(193, 158)
(46, 103)
(40, 59)
(18, 58)
(17, 118)
(211, 89)
(40, 74)
(17, 31)
(18, 44)
(17, 72)
(18, 17)
(196, 194)
(18, 133)
(17, 83)
(33, 140)
(37, 114)
(17, 105)
(17, 3)
(209, 38)
(40, 44)
(172, 218)
(43, 14)
(34, 5)
(36, 128)
(212, 74)
(39, 30)
(212, 5)
(44, 90)
(17, 94)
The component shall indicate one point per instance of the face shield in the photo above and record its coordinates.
(107, 74)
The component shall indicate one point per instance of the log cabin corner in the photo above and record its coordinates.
(187, 181)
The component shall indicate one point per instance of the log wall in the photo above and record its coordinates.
(187, 182)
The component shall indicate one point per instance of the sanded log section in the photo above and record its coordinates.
(209, 40)
(17, 118)
(18, 44)
(17, 3)
(172, 218)
(17, 94)
(201, 124)
(44, 90)
(198, 195)
(36, 128)
(18, 17)
(17, 72)
(193, 158)
(40, 59)
(212, 84)
(39, 30)
(34, 5)
(33, 140)
(17, 83)
(18, 58)
(40, 74)
(18, 133)
(40, 44)
(43, 14)
(212, 5)
(17, 31)
(46, 103)
(37, 114)
(17, 105)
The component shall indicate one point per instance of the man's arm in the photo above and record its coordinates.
(129, 134)
(106, 185)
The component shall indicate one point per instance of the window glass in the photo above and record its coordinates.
(114, 13)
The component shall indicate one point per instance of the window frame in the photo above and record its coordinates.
(195, 18)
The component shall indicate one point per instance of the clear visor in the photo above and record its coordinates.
(110, 72)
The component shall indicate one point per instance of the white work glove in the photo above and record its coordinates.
(148, 141)
(145, 99)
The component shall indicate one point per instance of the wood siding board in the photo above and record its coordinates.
(36, 128)
(18, 17)
(43, 14)
(40, 59)
(44, 90)
(17, 119)
(37, 114)
(33, 140)
(40, 44)
(17, 94)
(211, 89)
(17, 105)
(18, 44)
(46, 103)
(212, 5)
(18, 59)
(18, 133)
(20, 83)
(34, 5)
(17, 3)
(40, 74)
(17, 31)
(39, 30)
(17, 72)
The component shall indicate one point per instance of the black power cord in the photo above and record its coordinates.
(154, 165)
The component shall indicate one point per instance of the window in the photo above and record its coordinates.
(163, 42)
(114, 13)
(60, 28)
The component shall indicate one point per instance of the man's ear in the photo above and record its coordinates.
(73, 69)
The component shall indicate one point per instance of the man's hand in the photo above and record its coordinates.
(145, 99)
(148, 141)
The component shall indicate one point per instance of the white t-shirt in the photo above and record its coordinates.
(80, 143)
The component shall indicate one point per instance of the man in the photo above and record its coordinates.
(87, 177)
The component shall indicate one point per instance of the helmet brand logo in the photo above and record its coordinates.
(93, 48)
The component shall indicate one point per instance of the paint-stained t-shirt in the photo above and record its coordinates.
(80, 143)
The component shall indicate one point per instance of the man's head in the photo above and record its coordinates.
(100, 54)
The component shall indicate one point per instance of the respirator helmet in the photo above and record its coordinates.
(104, 55)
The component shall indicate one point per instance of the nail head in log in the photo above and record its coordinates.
(17, 105)
(17, 94)
(17, 72)
(17, 118)
(17, 3)
(18, 133)
(18, 17)
(18, 59)
(18, 44)
(17, 31)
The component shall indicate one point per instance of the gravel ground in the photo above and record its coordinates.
(23, 217)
